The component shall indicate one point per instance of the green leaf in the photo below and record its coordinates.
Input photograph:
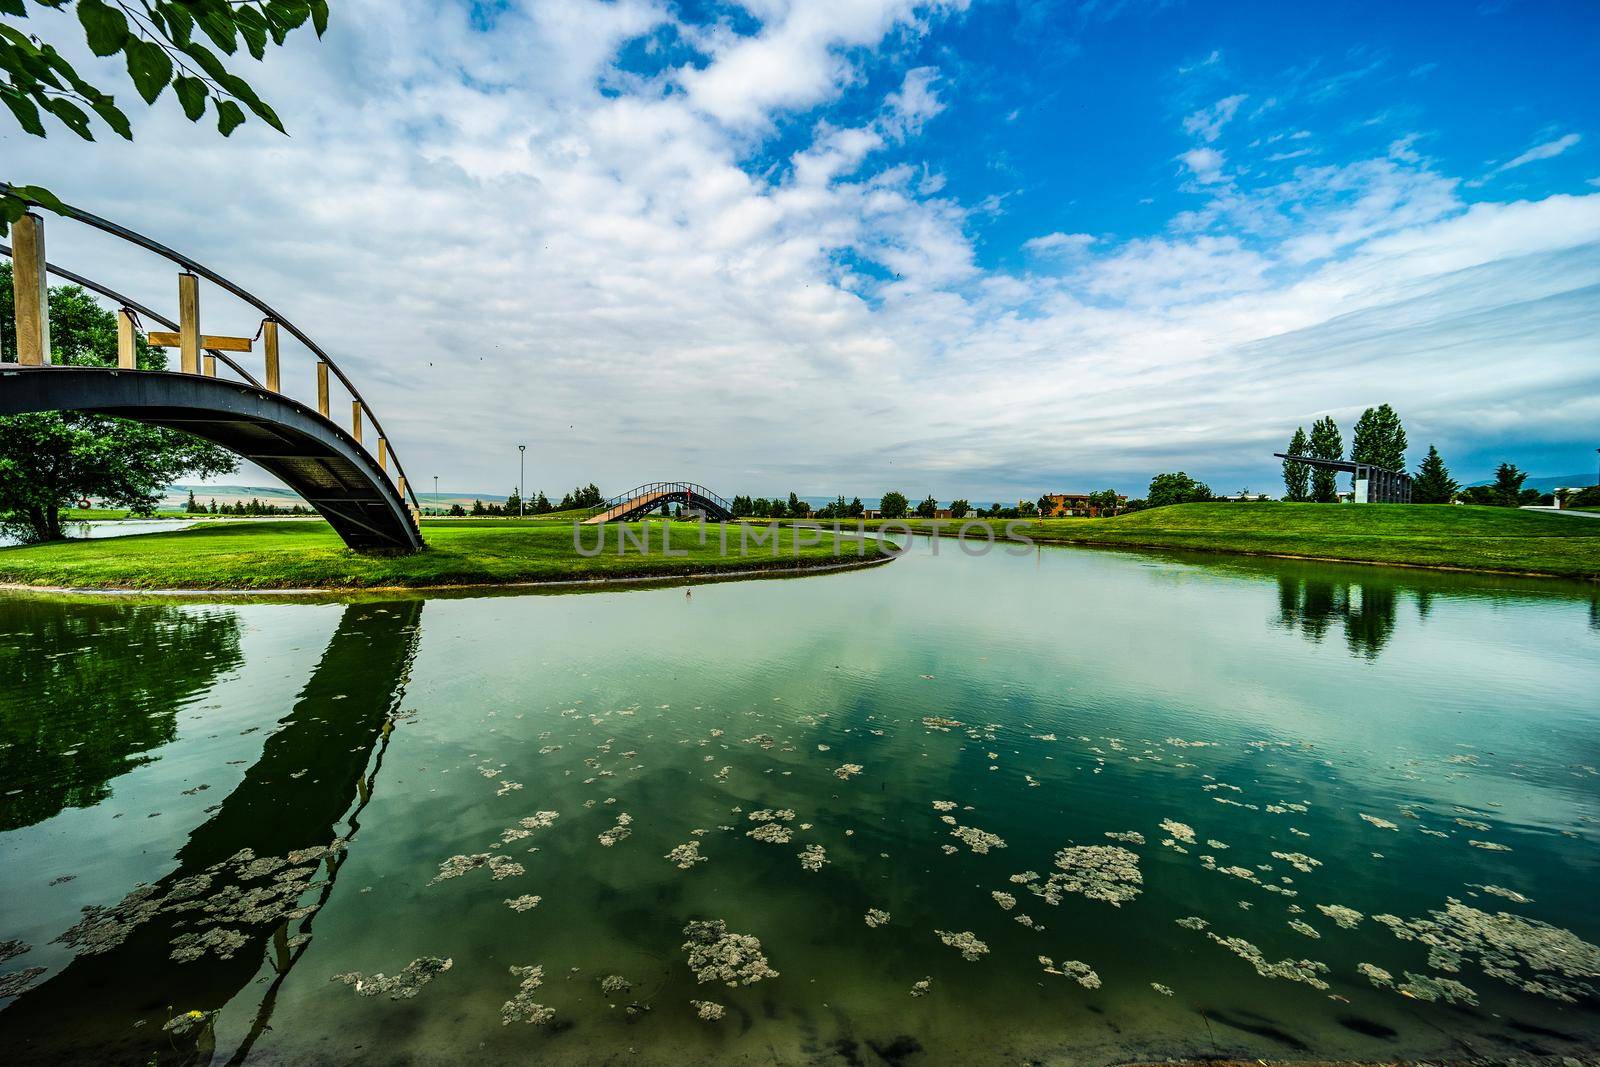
(179, 22)
(150, 67)
(192, 95)
(220, 28)
(207, 59)
(319, 16)
(71, 115)
(112, 116)
(253, 27)
(229, 116)
(13, 7)
(104, 25)
(27, 115)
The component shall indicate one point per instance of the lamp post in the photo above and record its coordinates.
(522, 457)
(435, 490)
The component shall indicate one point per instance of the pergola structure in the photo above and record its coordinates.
(1372, 484)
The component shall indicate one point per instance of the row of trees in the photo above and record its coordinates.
(1379, 439)
(239, 507)
(776, 508)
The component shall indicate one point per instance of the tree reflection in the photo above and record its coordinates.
(73, 717)
(1365, 609)
(314, 776)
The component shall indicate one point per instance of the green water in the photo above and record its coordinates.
(1267, 707)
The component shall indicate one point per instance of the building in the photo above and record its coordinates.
(1064, 504)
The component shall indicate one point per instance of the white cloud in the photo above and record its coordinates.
(521, 257)
(1204, 163)
(1207, 123)
(1548, 150)
(1059, 244)
(907, 111)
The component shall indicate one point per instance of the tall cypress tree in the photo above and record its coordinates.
(1379, 439)
(1297, 476)
(1326, 443)
(1433, 484)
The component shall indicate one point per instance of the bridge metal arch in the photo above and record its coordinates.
(310, 454)
(651, 495)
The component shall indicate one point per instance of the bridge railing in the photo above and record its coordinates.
(651, 488)
(198, 353)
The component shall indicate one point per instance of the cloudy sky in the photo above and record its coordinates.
(978, 248)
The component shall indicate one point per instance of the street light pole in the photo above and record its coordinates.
(522, 458)
(435, 490)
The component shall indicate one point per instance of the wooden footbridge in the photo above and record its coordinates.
(661, 496)
(329, 465)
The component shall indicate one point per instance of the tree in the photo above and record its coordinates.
(514, 503)
(798, 508)
(927, 508)
(892, 504)
(856, 510)
(50, 461)
(959, 509)
(1433, 484)
(1379, 439)
(1044, 505)
(1179, 488)
(1508, 485)
(1106, 500)
(193, 505)
(1297, 476)
(1326, 443)
(457, 511)
(157, 40)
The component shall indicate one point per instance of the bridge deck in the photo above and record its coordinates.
(311, 455)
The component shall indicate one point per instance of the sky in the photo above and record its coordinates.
(967, 248)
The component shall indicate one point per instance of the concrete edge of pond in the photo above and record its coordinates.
(557, 585)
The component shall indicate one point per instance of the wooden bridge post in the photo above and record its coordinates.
(322, 387)
(383, 455)
(32, 290)
(189, 323)
(355, 420)
(127, 353)
(269, 342)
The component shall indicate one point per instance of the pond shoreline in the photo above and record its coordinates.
(706, 576)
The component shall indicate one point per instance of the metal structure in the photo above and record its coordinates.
(327, 465)
(1370, 483)
(311, 455)
(647, 498)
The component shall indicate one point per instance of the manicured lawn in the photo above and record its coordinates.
(1471, 538)
(290, 555)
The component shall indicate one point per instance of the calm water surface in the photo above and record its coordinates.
(1375, 743)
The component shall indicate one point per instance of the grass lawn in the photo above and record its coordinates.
(263, 554)
(1465, 537)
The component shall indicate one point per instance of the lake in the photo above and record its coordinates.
(1064, 805)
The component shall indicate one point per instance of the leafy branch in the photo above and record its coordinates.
(162, 42)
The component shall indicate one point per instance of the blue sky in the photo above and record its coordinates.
(978, 249)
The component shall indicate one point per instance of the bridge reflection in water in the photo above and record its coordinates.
(249, 881)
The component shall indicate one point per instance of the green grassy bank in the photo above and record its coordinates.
(262, 554)
(1467, 538)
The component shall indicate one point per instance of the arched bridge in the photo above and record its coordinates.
(328, 465)
(662, 495)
